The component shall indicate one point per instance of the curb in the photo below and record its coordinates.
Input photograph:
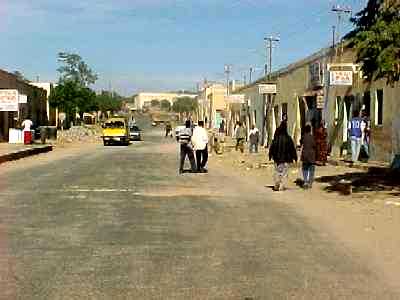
(24, 153)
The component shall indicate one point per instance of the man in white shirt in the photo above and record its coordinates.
(27, 124)
(200, 143)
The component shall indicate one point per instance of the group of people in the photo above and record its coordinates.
(283, 152)
(253, 138)
(193, 142)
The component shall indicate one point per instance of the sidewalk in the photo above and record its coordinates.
(9, 152)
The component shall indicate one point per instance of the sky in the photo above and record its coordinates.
(162, 45)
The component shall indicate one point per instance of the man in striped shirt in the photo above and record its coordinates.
(185, 136)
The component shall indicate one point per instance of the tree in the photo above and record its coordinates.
(165, 105)
(185, 105)
(376, 40)
(72, 98)
(155, 103)
(75, 69)
(107, 101)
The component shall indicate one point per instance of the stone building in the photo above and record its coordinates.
(325, 87)
(34, 108)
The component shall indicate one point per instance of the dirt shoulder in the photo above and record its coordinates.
(366, 221)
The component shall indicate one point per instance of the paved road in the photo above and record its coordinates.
(120, 223)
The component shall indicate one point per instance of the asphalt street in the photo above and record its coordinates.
(120, 223)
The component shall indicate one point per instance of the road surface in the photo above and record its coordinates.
(120, 223)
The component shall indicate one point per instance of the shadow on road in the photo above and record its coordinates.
(375, 179)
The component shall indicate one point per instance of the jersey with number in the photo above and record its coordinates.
(355, 127)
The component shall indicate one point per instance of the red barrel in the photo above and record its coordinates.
(27, 137)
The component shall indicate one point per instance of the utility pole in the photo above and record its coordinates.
(270, 40)
(340, 11)
(244, 79)
(251, 72)
(228, 73)
(333, 36)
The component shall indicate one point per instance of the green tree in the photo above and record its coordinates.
(185, 105)
(75, 69)
(107, 101)
(155, 103)
(376, 40)
(165, 105)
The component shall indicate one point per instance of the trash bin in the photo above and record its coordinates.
(27, 137)
(52, 132)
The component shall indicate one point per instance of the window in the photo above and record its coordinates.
(379, 108)
(255, 116)
(367, 103)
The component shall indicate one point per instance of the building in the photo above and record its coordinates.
(143, 100)
(212, 104)
(30, 102)
(328, 88)
(50, 112)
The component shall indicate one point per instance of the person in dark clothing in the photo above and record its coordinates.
(168, 129)
(185, 136)
(283, 152)
(308, 157)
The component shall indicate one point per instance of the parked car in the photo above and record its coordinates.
(116, 130)
(135, 133)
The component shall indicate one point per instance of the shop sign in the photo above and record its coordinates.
(235, 98)
(22, 99)
(316, 74)
(341, 77)
(9, 100)
(267, 89)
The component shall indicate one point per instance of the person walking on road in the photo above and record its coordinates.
(308, 157)
(282, 152)
(254, 138)
(185, 136)
(355, 133)
(200, 144)
(168, 129)
(240, 137)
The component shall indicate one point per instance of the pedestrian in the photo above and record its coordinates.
(365, 134)
(282, 152)
(168, 129)
(27, 124)
(240, 137)
(308, 157)
(355, 133)
(222, 127)
(185, 136)
(254, 138)
(321, 136)
(200, 144)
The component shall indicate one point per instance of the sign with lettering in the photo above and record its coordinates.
(341, 78)
(235, 98)
(9, 100)
(22, 99)
(267, 89)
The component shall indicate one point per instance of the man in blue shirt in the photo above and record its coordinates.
(355, 133)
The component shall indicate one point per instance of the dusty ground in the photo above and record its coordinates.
(367, 220)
